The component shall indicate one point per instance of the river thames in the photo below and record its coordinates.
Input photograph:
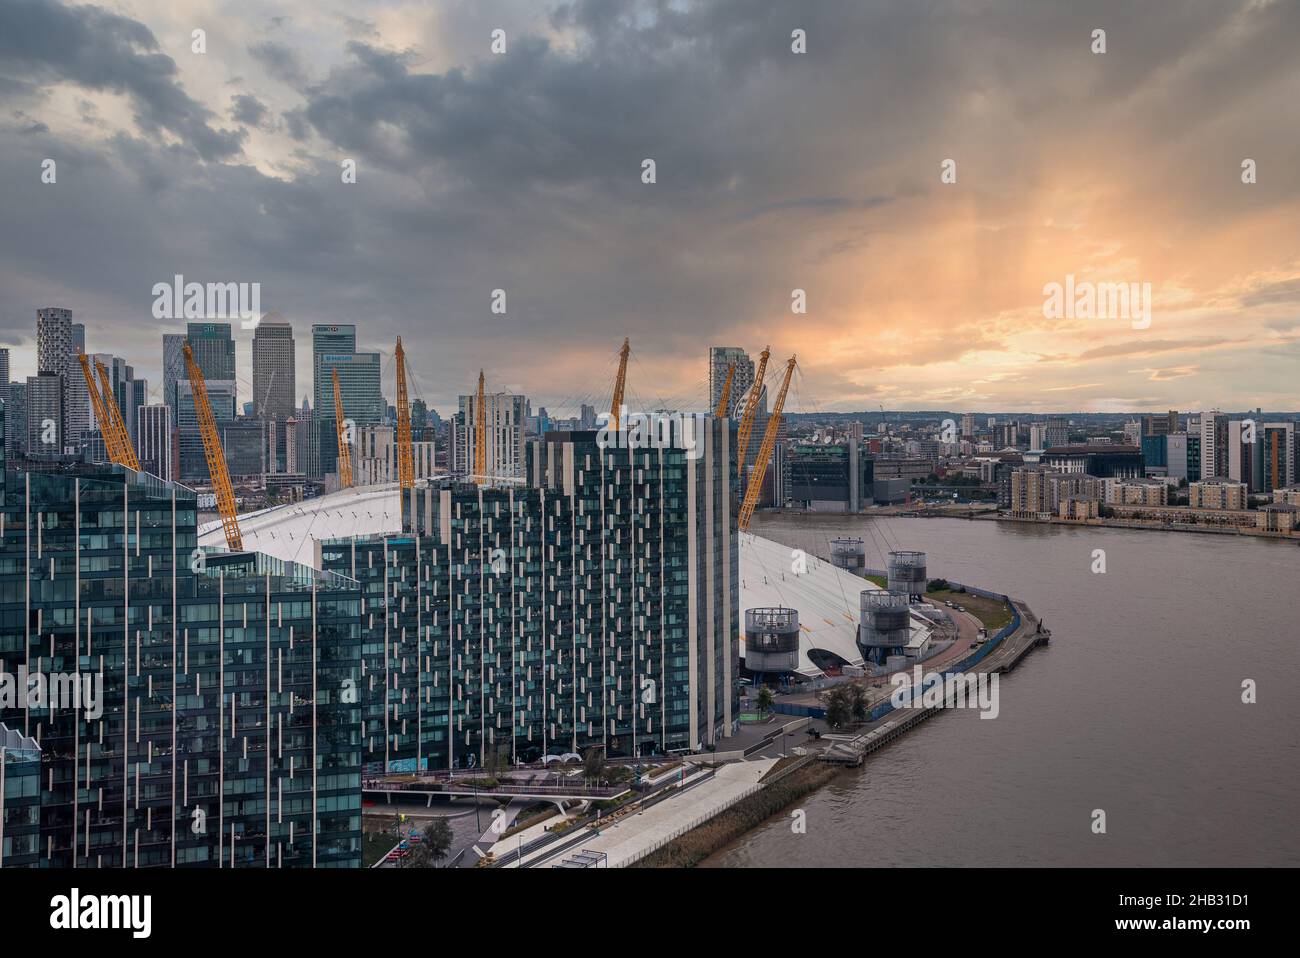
(1135, 708)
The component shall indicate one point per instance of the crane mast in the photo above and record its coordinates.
(619, 382)
(725, 398)
(747, 417)
(112, 440)
(765, 452)
(480, 435)
(405, 458)
(215, 456)
(345, 454)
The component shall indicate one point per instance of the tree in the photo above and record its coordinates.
(593, 763)
(839, 709)
(418, 857)
(858, 703)
(765, 698)
(437, 839)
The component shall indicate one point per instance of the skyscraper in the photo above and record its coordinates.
(44, 419)
(720, 360)
(55, 345)
(1214, 445)
(274, 375)
(173, 367)
(222, 737)
(334, 348)
(15, 420)
(213, 348)
(154, 440)
(77, 413)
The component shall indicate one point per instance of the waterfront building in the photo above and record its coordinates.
(1287, 494)
(1214, 445)
(227, 730)
(1080, 508)
(596, 603)
(1281, 517)
(826, 478)
(1105, 462)
(1216, 493)
(1241, 452)
(20, 799)
(1037, 491)
(1137, 491)
(1275, 464)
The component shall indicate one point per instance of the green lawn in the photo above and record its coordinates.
(991, 612)
(374, 846)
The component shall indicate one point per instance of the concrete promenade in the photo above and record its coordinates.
(636, 835)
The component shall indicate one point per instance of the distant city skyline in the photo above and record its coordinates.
(521, 171)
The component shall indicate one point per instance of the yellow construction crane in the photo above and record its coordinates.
(345, 454)
(619, 382)
(119, 451)
(747, 417)
(725, 398)
(215, 456)
(480, 435)
(405, 458)
(121, 438)
(765, 452)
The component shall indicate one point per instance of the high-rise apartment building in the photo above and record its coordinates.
(505, 416)
(78, 417)
(720, 360)
(1214, 445)
(44, 439)
(1241, 452)
(228, 725)
(15, 408)
(56, 354)
(542, 618)
(154, 440)
(1274, 460)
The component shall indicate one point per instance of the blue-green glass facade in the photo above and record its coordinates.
(229, 731)
(594, 604)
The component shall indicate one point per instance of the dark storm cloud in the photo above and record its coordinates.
(48, 43)
(281, 61)
(522, 171)
(247, 109)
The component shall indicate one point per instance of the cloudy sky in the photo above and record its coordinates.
(775, 170)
